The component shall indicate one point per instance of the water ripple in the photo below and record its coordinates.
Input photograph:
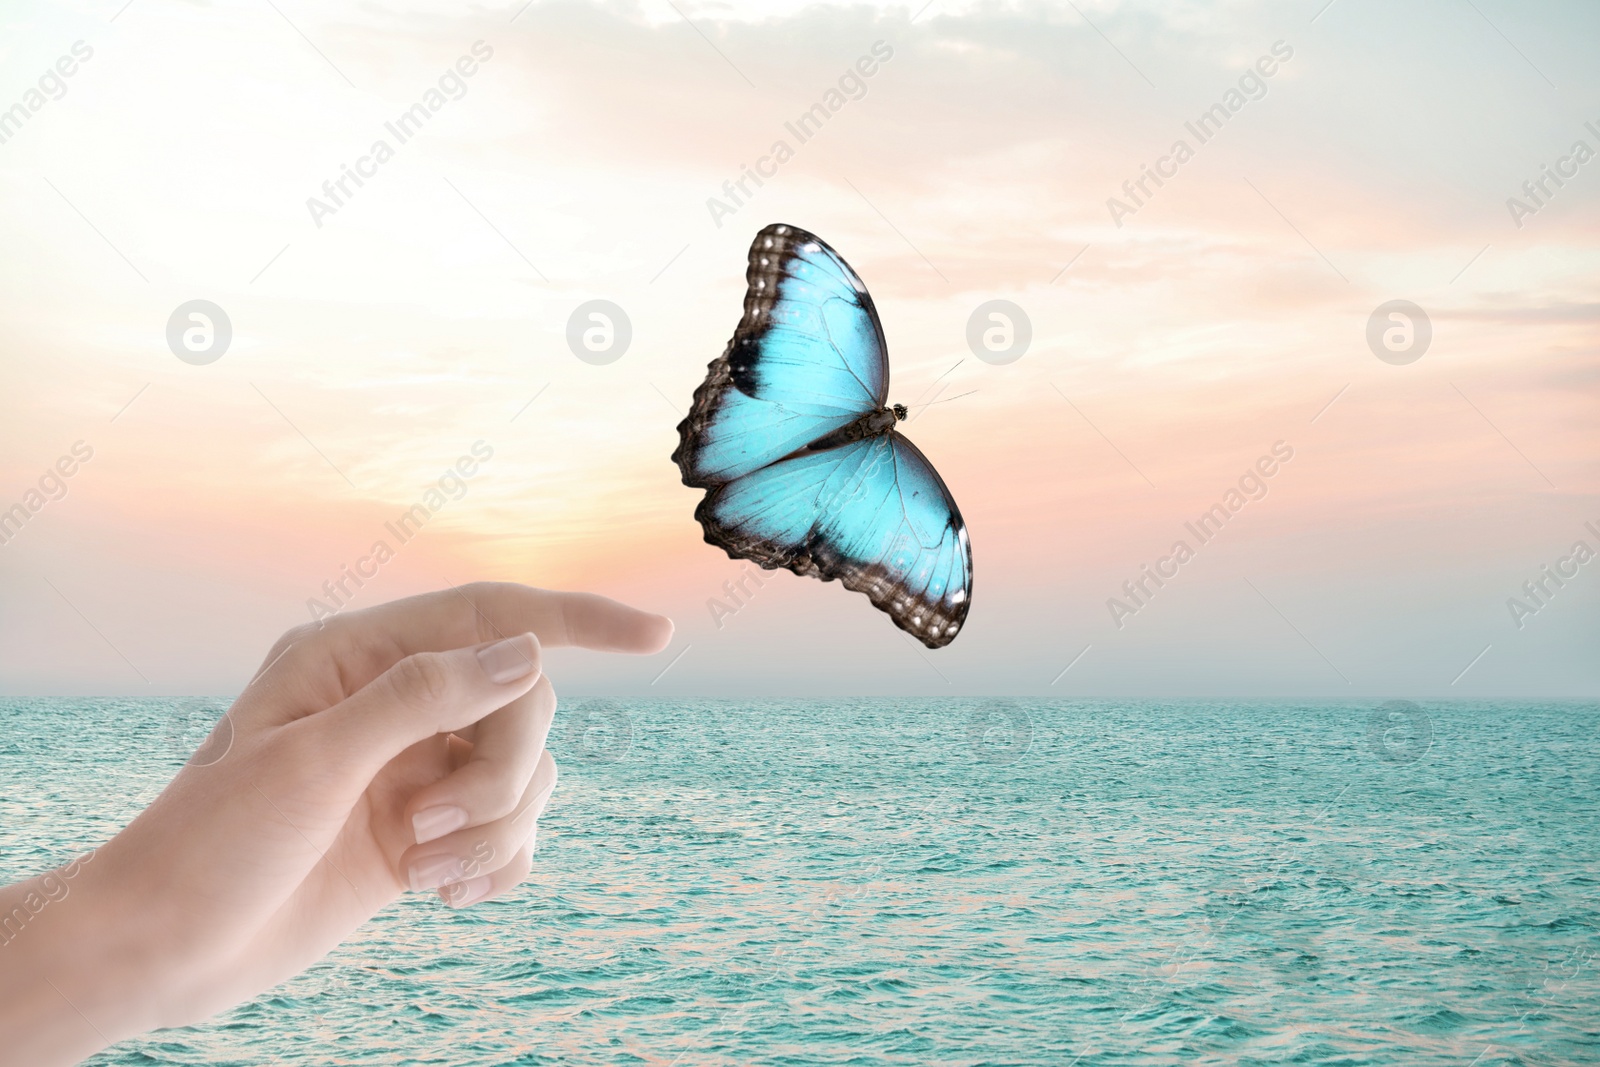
(862, 882)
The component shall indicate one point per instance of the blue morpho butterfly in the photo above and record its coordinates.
(798, 453)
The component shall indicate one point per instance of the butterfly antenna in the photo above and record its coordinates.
(936, 381)
(946, 400)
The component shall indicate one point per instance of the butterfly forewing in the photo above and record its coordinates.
(807, 358)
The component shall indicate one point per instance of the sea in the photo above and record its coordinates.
(973, 882)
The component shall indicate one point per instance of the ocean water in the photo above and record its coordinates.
(951, 882)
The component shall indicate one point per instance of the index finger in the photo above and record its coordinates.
(486, 611)
(330, 660)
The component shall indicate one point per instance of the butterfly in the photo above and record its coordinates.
(800, 456)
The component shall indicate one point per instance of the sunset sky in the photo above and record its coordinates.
(1172, 346)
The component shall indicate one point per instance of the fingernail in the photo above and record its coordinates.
(430, 824)
(508, 660)
(430, 874)
(461, 894)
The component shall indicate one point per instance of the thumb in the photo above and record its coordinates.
(425, 694)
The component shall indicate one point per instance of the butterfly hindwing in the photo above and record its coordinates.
(873, 514)
(807, 358)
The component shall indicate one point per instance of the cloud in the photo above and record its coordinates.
(1220, 317)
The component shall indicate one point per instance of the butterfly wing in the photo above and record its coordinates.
(873, 514)
(807, 358)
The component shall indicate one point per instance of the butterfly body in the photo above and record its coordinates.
(872, 424)
(798, 451)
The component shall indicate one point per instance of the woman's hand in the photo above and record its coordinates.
(392, 749)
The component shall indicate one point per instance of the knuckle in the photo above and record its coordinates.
(542, 703)
(503, 801)
(293, 636)
(471, 615)
(480, 860)
(497, 852)
(544, 695)
(421, 679)
(521, 865)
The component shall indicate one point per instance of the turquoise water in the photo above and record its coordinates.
(962, 882)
